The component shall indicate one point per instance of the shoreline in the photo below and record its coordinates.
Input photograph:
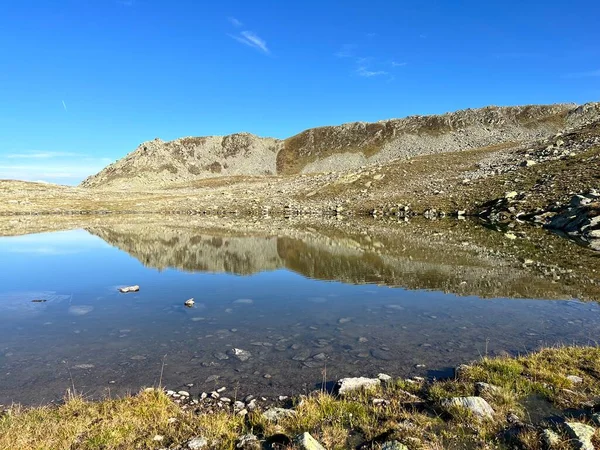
(500, 400)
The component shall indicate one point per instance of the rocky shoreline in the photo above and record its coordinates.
(546, 400)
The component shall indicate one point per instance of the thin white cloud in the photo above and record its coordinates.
(252, 40)
(347, 51)
(588, 74)
(398, 64)
(40, 155)
(64, 105)
(235, 22)
(363, 71)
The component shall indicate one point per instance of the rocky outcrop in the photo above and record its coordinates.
(157, 163)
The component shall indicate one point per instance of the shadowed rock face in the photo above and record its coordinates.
(399, 258)
(157, 163)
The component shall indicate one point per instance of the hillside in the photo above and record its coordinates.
(157, 163)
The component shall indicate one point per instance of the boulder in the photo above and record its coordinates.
(346, 385)
(477, 405)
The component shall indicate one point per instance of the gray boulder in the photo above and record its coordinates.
(346, 385)
(477, 405)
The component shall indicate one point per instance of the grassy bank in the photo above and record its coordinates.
(523, 392)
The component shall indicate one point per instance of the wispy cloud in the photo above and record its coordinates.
(347, 51)
(588, 74)
(252, 40)
(40, 155)
(366, 66)
(363, 71)
(235, 22)
(64, 105)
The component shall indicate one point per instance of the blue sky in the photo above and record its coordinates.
(83, 82)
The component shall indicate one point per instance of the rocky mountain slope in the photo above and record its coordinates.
(335, 148)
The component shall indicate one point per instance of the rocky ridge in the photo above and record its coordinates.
(335, 148)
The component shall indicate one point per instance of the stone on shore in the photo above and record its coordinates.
(477, 405)
(346, 385)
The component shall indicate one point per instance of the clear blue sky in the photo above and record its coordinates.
(83, 82)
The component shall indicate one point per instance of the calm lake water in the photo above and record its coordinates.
(260, 294)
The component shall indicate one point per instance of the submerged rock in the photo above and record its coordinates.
(477, 405)
(242, 355)
(346, 385)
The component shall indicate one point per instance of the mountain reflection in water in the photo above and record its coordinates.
(355, 299)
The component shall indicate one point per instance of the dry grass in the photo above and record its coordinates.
(339, 423)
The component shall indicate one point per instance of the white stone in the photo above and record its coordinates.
(346, 385)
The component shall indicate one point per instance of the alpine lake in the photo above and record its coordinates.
(279, 307)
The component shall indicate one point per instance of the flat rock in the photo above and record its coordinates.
(306, 442)
(277, 414)
(346, 385)
(477, 405)
(581, 434)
